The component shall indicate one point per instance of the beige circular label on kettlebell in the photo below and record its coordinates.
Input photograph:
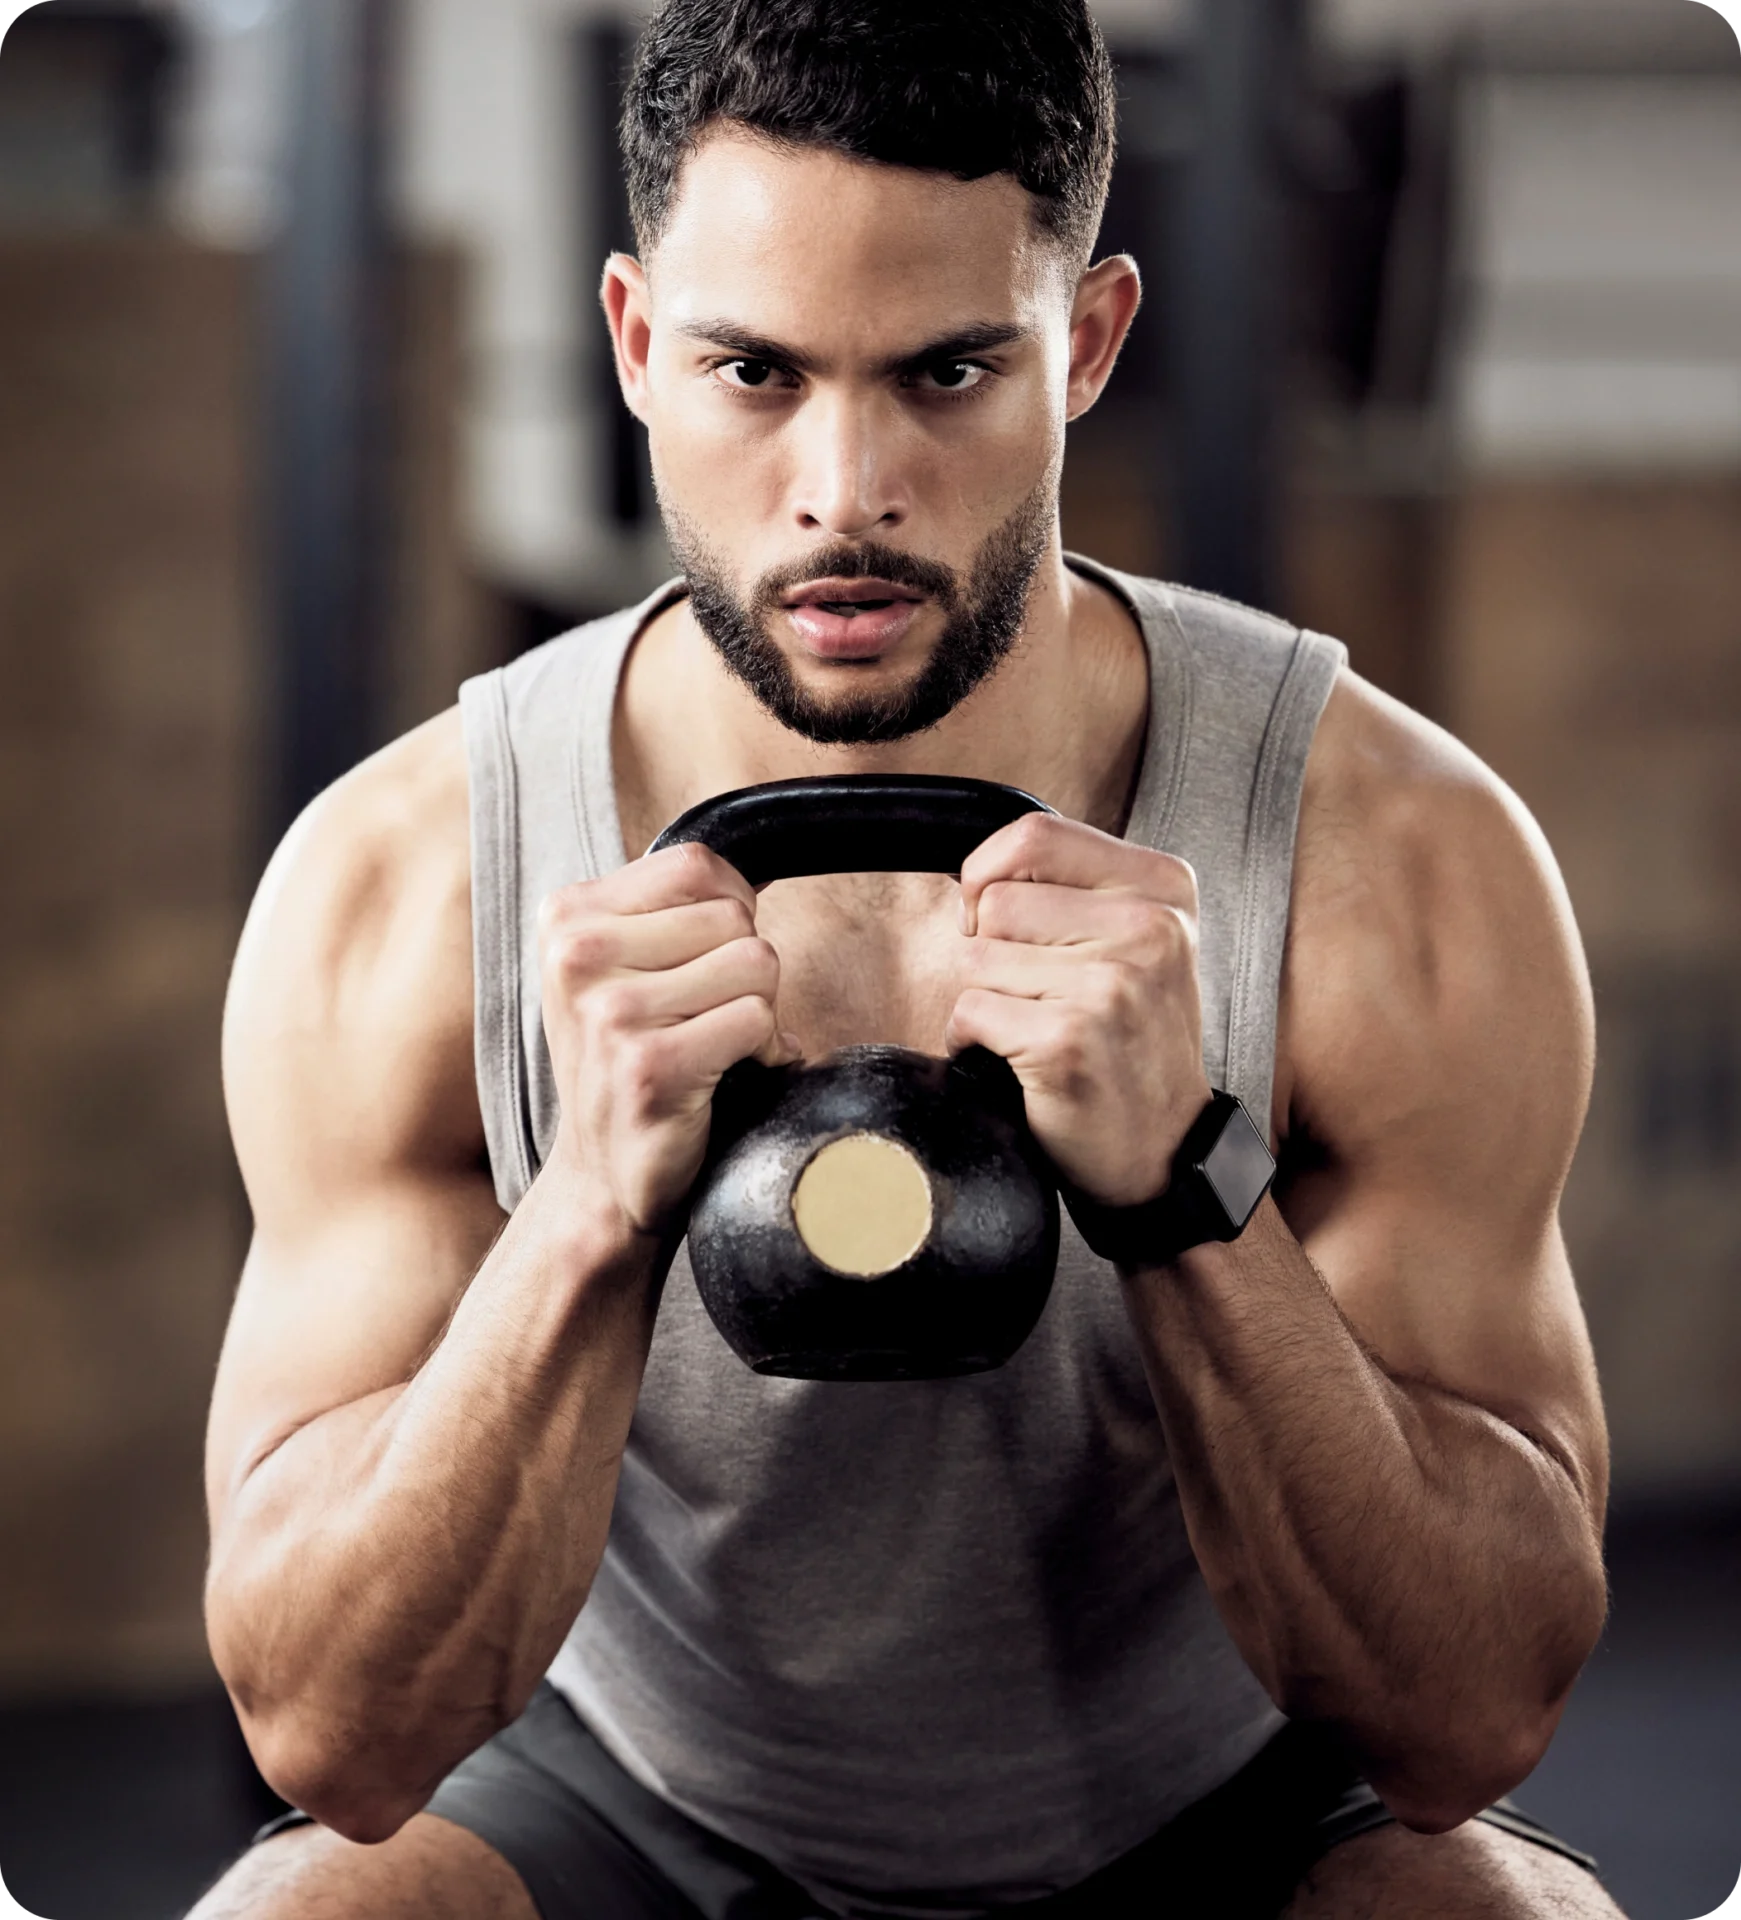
(863, 1205)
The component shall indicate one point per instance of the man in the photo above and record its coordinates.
(925, 1648)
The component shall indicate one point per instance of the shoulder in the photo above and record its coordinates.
(352, 986)
(382, 853)
(1397, 815)
(1431, 941)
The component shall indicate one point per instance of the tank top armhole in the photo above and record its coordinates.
(1277, 785)
(495, 839)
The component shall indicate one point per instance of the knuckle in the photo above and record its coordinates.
(1033, 833)
(556, 910)
(699, 867)
(1162, 932)
(964, 1015)
(1070, 1053)
(1156, 927)
(645, 1070)
(1184, 877)
(581, 950)
(752, 966)
(1114, 985)
(737, 916)
(612, 1009)
(1000, 907)
(747, 1022)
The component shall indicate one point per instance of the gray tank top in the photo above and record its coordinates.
(930, 1647)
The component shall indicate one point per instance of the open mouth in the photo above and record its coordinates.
(852, 619)
(848, 597)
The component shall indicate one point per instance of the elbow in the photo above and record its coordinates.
(366, 1825)
(363, 1776)
(328, 1746)
(364, 1822)
(323, 1774)
(1463, 1749)
(1450, 1781)
(356, 1810)
(1431, 1815)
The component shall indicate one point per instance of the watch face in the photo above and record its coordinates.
(1239, 1167)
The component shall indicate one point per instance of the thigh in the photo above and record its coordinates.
(429, 1870)
(1478, 1872)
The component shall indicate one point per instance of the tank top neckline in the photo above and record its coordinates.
(1160, 771)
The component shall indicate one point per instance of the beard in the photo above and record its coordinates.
(983, 618)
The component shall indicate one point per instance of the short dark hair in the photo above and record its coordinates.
(963, 87)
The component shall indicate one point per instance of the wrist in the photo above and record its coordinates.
(1216, 1182)
(586, 1226)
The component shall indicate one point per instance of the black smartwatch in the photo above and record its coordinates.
(1222, 1170)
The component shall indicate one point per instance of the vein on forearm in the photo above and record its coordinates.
(414, 1525)
(1365, 1533)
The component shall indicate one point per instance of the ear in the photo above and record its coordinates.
(628, 304)
(1107, 298)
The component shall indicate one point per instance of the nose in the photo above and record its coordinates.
(848, 479)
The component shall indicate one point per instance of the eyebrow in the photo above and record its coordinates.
(986, 337)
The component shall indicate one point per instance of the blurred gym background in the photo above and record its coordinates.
(305, 414)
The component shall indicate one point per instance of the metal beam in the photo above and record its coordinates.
(624, 481)
(329, 372)
(1224, 293)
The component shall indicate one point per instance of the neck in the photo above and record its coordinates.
(1063, 716)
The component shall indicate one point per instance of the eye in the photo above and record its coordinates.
(953, 376)
(755, 375)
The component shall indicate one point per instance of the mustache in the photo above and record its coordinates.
(860, 560)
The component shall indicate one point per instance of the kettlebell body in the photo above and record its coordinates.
(879, 1214)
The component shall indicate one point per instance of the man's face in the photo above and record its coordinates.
(854, 380)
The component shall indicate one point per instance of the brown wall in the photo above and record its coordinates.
(130, 649)
(1592, 654)
(1354, 561)
(126, 621)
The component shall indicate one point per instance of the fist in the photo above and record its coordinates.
(1082, 972)
(655, 982)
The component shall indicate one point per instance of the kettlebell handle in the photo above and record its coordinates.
(870, 823)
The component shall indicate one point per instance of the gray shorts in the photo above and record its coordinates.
(592, 1843)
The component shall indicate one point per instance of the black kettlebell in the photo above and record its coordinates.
(880, 1214)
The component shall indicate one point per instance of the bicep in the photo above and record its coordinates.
(1444, 1053)
(1492, 1319)
(340, 1309)
(348, 1075)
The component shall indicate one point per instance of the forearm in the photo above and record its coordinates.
(1388, 1557)
(389, 1584)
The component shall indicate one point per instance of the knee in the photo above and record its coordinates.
(1476, 1870)
(263, 1884)
(429, 1870)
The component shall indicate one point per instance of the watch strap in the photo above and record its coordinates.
(1220, 1174)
